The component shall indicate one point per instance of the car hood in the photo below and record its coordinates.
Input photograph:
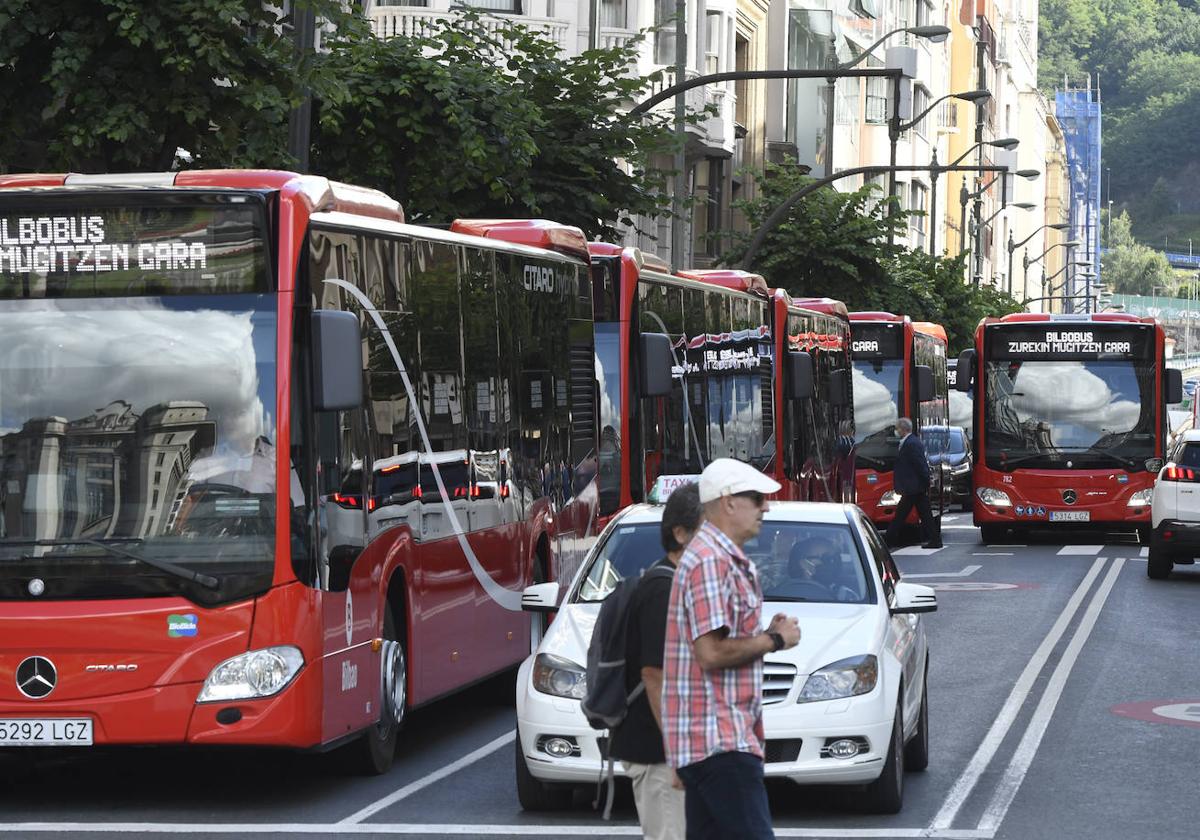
(828, 632)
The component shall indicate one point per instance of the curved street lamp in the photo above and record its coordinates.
(935, 169)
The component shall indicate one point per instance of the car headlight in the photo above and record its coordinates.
(251, 675)
(959, 469)
(992, 496)
(1141, 498)
(845, 678)
(559, 677)
(889, 499)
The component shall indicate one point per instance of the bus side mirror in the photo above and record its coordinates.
(1173, 386)
(925, 391)
(799, 384)
(655, 364)
(964, 371)
(337, 360)
(839, 388)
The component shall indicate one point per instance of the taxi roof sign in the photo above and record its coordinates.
(665, 485)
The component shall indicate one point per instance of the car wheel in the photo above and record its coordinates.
(989, 534)
(533, 793)
(1158, 564)
(885, 795)
(916, 752)
(373, 753)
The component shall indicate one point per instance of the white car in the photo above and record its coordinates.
(1175, 507)
(848, 705)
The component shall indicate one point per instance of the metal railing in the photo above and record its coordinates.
(409, 21)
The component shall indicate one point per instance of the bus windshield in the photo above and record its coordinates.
(143, 422)
(878, 385)
(1062, 414)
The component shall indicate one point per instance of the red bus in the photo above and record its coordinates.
(276, 465)
(1070, 420)
(899, 371)
(753, 377)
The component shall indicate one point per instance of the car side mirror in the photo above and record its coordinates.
(964, 371)
(1173, 385)
(655, 363)
(914, 598)
(925, 389)
(541, 597)
(839, 388)
(337, 360)
(799, 384)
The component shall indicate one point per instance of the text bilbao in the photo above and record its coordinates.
(78, 244)
(1122, 342)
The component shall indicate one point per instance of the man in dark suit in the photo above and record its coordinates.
(912, 484)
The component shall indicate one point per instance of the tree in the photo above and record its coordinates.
(112, 85)
(834, 244)
(468, 120)
(1130, 268)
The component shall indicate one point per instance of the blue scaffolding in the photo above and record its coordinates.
(1078, 112)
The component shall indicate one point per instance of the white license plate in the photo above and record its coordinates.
(1070, 516)
(45, 732)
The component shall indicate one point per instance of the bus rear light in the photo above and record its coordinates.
(345, 500)
(995, 498)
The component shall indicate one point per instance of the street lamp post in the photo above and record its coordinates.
(935, 170)
(1013, 246)
(1026, 262)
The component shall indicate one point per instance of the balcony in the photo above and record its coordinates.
(408, 21)
(610, 38)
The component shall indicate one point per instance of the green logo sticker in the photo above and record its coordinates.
(182, 625)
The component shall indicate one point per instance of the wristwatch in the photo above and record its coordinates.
(776, 641)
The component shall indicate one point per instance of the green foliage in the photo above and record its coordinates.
(470, 121)
(1130, 268)
(112, 85)
(834, 244)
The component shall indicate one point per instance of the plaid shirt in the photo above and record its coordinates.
(711, 712)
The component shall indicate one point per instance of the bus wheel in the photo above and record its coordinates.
(989, 534)
(374, 752)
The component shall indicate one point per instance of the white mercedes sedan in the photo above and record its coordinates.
(848, 705)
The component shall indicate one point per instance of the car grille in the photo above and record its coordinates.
(783, 750)
(777, 682)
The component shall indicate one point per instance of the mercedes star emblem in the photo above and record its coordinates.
(36, 677)
(1069, 497)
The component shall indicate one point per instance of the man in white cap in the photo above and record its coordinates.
(712, 674)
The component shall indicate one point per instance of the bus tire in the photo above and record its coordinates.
(989, 534)
(374, 752)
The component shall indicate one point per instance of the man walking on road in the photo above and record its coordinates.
(638, 740)
(712, 680)
(912, 483)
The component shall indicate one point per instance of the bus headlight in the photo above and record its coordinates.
(992, 496)
(559, 677)
(889, 499)
(251, 675)
(1141, 498)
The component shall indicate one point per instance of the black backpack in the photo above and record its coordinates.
(607, 700)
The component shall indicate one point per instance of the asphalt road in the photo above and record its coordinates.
(1064, 703)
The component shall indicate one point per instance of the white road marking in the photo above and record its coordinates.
(966, 571)
(975, 768)
(421, 784)
(959, 528)
(1145, 552)
(449, 830)
(991, 554)
(916, 550)
(1027, 749)
(1082, 550)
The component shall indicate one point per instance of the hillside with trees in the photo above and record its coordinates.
(1145, 57)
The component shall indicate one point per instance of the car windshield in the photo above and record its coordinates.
(805, 561)
(146, 422)
(628, 550)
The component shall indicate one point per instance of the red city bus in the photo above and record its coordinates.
(1070, 420)
(899, 371)
(277, 466)
(729, 396)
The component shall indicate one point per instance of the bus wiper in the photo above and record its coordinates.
(878, 463)
(207, 581)
(1008, 463)
(1127, 463)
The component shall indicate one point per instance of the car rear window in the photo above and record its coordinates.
(1190, 456)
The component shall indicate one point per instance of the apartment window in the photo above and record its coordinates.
(924, 13)
(613, 14)
(920, 103)
(917, 193)
(877, 100)
(712, 53)
(867, 8)
(496, 7)
(664, 35)
(741, 88)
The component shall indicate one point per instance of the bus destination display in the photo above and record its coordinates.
(1065, 342)
(876, 341)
